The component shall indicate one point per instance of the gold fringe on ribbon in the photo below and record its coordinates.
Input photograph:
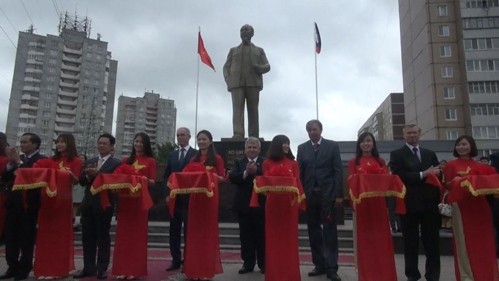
(482, 191)
(280, 189)
(190, 190)
(115, 186)
(50, 193)
(30, 186)
(372, 194)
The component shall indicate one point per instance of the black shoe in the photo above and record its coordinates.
(8, 274)
(101, 275)
(21, 276)
(334, 277)
(317, 271)
(173, 266)
(83, 274)
(244, 270)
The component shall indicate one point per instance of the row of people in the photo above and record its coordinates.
(44, 214)
(413, 164)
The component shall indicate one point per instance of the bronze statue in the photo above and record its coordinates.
(243, 74)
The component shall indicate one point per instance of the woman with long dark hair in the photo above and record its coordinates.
(373, 241)
(475, 257)
(54, 253)
(130, 250)
(202, 251)
(281, 213)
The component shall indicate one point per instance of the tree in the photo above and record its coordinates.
(163, 151)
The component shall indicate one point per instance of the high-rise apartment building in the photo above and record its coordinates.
(450, 60)
(62, 84)
(150, 114)
(388, 120)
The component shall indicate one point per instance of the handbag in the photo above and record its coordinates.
(445, 209)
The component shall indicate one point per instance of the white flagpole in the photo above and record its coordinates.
(197, 96)
(316, 82)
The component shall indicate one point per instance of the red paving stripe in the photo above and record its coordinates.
(161, 255)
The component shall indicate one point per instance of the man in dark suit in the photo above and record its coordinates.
(321, 175)
(22, 211)
(251, 219)
(243, 74)
(176, 162)
(95, 220)
(413, 164)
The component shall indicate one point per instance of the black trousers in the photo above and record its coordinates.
(20, 236)
(252, 237)
(179, 218)
(96, 239)
(428, 225)
(322, 231)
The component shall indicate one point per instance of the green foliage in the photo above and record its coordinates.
(163, 151)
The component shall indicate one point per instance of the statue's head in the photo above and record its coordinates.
(247, 32)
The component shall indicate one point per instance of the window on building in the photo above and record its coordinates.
(452, 134)
(46, 113)
(447, 72)
(444, 30)
(486, 132)
(451, 114)
(442, 10)
(54, 52)
(485, 87)
(445, 51)
(449, 93)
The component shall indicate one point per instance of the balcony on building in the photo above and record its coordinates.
(70, 67)
(28, 96)
(73, 94)
(65, 119)
(69, 85)
(63, 128)
(29, 106)
(71, 102)
(71, 59)
(67, 75)
(66, 110)
(72, 51)
(33, 61)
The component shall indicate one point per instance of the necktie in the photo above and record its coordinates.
(415, 151)
(315, 146)
(182, 155)
(99, 163)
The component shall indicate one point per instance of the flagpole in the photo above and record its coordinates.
(197, 94)
(316, 82)
(316, 88)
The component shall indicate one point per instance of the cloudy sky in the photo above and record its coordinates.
(155, 44)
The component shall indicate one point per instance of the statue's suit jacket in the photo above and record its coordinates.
(232, 67)
(324, 170)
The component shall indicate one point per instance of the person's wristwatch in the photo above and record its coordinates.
(19, 163)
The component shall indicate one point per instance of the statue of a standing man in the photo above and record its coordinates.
(243, 74)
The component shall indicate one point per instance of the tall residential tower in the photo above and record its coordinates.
(150, 114)
(450, 61)
(62, 84)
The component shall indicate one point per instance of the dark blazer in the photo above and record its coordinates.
(174, 165)
(324, 170)
(494, 160)
(420, 196)
(14, 199)
(91, 202)
(244, 188)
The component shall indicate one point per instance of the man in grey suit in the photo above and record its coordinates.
(243, 74)
(321, 175)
